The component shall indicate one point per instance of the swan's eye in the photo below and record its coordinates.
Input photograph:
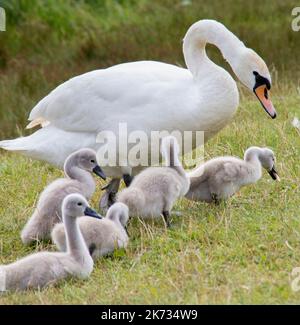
(79, 204)
(92, 161)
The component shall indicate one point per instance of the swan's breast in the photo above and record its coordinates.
(219, 100)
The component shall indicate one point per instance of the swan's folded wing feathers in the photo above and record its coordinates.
(79, 103)
(230, 172)
(40, 121)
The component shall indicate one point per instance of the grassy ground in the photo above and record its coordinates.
(240, 252)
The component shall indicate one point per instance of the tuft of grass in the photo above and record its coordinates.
(240, 252)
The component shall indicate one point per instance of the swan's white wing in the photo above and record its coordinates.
(119, 92)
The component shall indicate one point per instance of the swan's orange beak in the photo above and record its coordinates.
(261, 93)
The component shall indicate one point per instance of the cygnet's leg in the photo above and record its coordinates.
(166, 215)
(92, 248)
(215, 199)
(126, 229)
(127, 179)
(109, 197)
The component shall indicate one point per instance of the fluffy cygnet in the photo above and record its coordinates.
(222, 177)
(101, 236)
(78, 168)
(44, 268)
(154, 191)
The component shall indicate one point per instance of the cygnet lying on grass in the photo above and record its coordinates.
(44, 268)
(101, 236)
(78, 168)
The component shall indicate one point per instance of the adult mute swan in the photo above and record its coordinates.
(148, 96)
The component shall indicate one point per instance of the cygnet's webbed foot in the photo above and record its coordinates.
(166, 215)
(127, 179)
(109, 197)
(215, 199)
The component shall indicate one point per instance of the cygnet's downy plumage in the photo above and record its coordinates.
(101, 236)
(154, 191)
(222, 177)
(45, 268)
(78, 168)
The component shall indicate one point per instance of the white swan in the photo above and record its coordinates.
(147, 95)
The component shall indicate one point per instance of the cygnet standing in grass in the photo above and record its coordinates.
(44, 268)
(154, 191)
(222, 177)
(101, 236)
(78, 168)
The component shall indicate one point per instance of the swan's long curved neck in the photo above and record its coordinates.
(252, 159)
(76, 245)
(117, 222)
(74, 172)
(172, 159)
(212, 32)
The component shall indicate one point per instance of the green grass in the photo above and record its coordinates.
(233, 253)
(239, 252)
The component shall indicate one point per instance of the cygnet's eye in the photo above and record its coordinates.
(79, 204)
(92, 161)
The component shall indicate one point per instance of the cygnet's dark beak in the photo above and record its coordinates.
(91, 213)
(273, 173)
(99, 172)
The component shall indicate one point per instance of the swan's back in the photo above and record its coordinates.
(211, 167)
(53, 195)
(39, 270)
(101, 236)
(151, 189)
(82, 98)
(219, 175)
